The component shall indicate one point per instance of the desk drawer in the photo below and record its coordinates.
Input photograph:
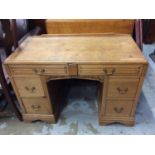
(116, 70)
(118, 108)
(39, 69)
(122, 88)
(29, 87)
(36, 106)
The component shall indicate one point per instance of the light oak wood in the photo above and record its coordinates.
(39, 117)
(67, 26)
(115, 70)
(36, 106)
(22, 109)
(113, 60)
(118, 108)
(122, 88)
(72, 69)
(30, 87)
(129, 121)
(38, 70)
(89, 49)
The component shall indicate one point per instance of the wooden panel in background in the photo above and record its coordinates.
(89, 26)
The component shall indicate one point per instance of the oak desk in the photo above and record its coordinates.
(113, 60)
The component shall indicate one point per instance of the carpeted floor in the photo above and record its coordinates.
(80, 114)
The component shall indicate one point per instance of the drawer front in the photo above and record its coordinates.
(29, 87)
(122, 88)
(116, 70)
(39, 69)
(91, 70)
(118, 108)
(37, 106)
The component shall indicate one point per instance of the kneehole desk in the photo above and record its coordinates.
(113, 60)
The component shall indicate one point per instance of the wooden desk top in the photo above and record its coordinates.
(77, 49)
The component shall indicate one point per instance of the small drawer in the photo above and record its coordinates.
(116, 70)
(36, 106)
(39, 69)
(52, 70)
(118, 108)
(91, 70)
(122, 88)
(29, 86)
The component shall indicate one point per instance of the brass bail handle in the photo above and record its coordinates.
(122, 91)
(39, 71)
(32, 89)
(119, 110)
(109, 71)
(35, 107)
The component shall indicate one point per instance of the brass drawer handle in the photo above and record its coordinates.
(39, 71)
(120, 110)
(109, 72)
(35, 107)
(32, 89)
(36, 71)
(42, 71)
(122, 91)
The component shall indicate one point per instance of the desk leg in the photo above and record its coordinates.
(102, 100)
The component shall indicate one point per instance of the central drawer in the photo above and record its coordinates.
(39, 69)
(116, 70)
(29, 87)
(36, 106)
